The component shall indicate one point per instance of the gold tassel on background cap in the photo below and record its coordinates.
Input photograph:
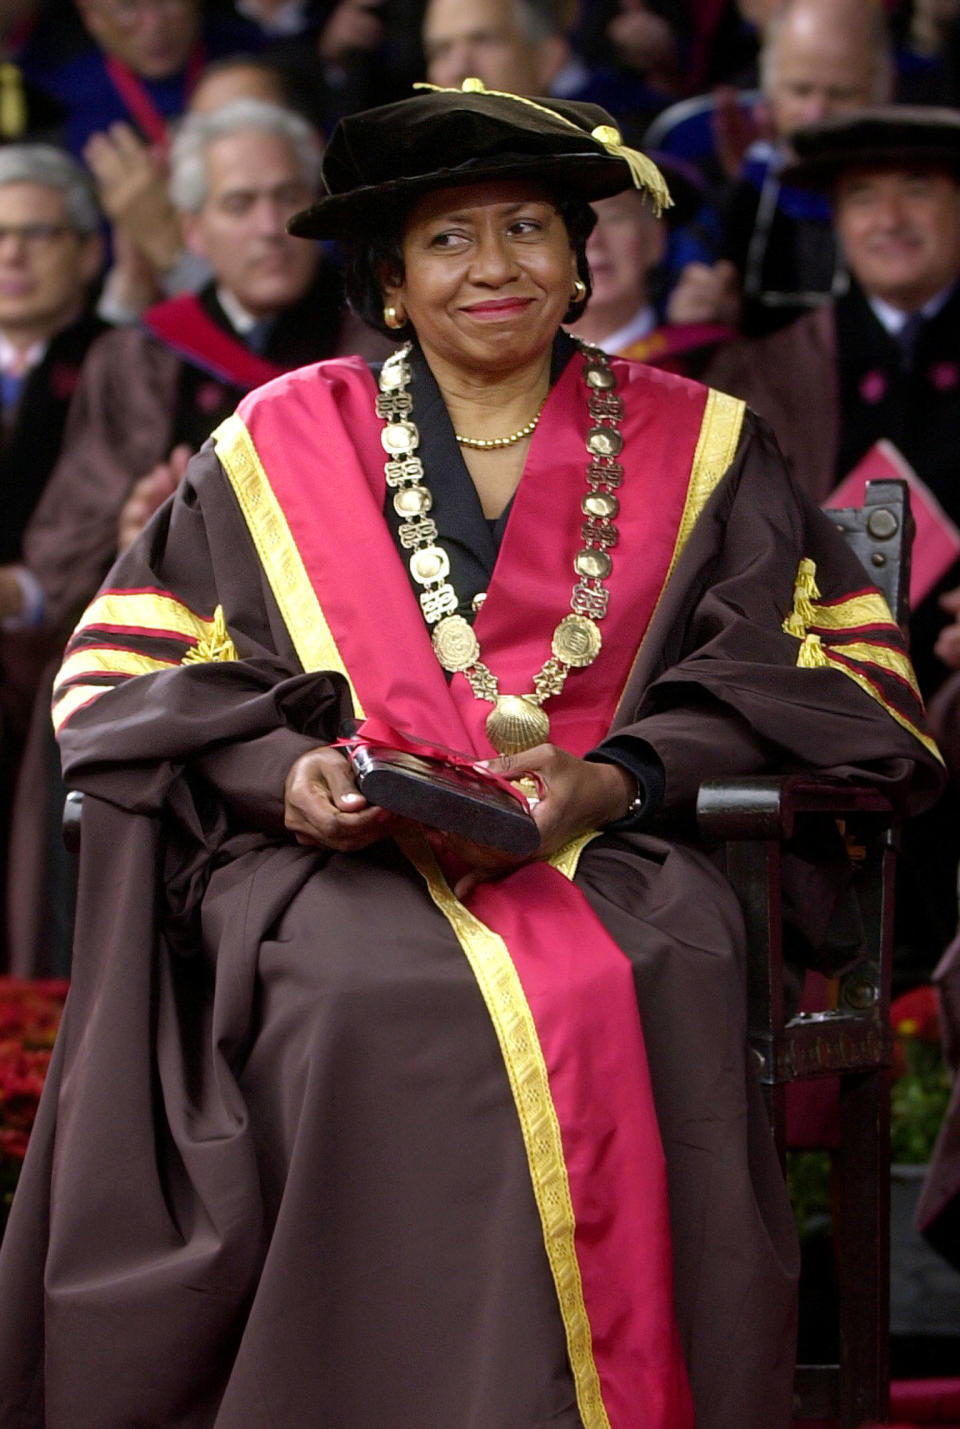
(805, 592)
(643, 171)
(13, 104)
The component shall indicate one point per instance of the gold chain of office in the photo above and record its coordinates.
(516, 722)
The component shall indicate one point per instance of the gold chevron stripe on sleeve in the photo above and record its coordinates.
(867, 609)
(870, 689)
(895, 662)
(516, 1032)
(73, 699)
(95, 660)
(311, 635)
(146, 612)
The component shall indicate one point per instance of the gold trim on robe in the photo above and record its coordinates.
(305, 621)
(509, 1011)
(720, 428)
(148, 612)
(101, 660)
(153, 615)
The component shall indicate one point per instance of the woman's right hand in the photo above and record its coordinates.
(323, 806)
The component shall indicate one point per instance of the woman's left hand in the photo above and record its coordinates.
(577, 795)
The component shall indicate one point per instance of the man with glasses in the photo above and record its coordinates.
(50, 255)
(151, 394)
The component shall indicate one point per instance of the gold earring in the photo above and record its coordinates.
(579, 290)
(392, 317)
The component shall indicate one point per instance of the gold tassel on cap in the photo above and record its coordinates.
(13, 104)
(643, 171)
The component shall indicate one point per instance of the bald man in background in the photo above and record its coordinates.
(819, 57)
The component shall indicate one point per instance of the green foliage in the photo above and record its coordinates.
(808, 1182)
(918, 1101)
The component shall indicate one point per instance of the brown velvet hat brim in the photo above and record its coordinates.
(381, 157)
(334, 215)
(894, 134)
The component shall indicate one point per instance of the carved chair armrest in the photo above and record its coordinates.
(755, 818)
(765, 807)
(70, 825)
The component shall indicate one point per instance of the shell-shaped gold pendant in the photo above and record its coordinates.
(516, 723)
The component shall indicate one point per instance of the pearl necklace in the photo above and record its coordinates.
(487, 444)
(516, 722)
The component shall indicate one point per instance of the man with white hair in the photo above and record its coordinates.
(819, 57)
(882, 362)
(50, 255)
(150, 395)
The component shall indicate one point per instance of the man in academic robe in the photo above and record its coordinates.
(778, 256)
(881, 361)
(524, 47)
(50, 255)
(149, 395)
(626, 252)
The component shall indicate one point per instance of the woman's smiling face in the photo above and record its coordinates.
(489, 274)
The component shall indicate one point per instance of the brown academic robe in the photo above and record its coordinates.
(831, 385)
(31, 436)
(136, 400)
(790, 378)
(277, 1176)
(938, 1211)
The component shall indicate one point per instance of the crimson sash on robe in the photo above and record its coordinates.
(306, 463)
(183, 325)
(139, 101)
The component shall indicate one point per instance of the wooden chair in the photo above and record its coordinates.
(759, 820)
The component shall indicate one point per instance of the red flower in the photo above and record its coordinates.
(917, 1014)
(29, 1018)
(13, 1144)
(210, 396)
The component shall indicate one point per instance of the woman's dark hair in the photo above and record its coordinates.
(370, 255)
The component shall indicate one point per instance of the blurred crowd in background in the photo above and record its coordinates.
(153, 150)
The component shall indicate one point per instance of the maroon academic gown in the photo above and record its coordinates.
(143, 390)
(283, 1171)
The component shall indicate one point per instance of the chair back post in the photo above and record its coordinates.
(754, 819)
(880, 533)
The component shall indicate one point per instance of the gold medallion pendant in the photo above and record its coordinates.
(577, 641)
(455, 645)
